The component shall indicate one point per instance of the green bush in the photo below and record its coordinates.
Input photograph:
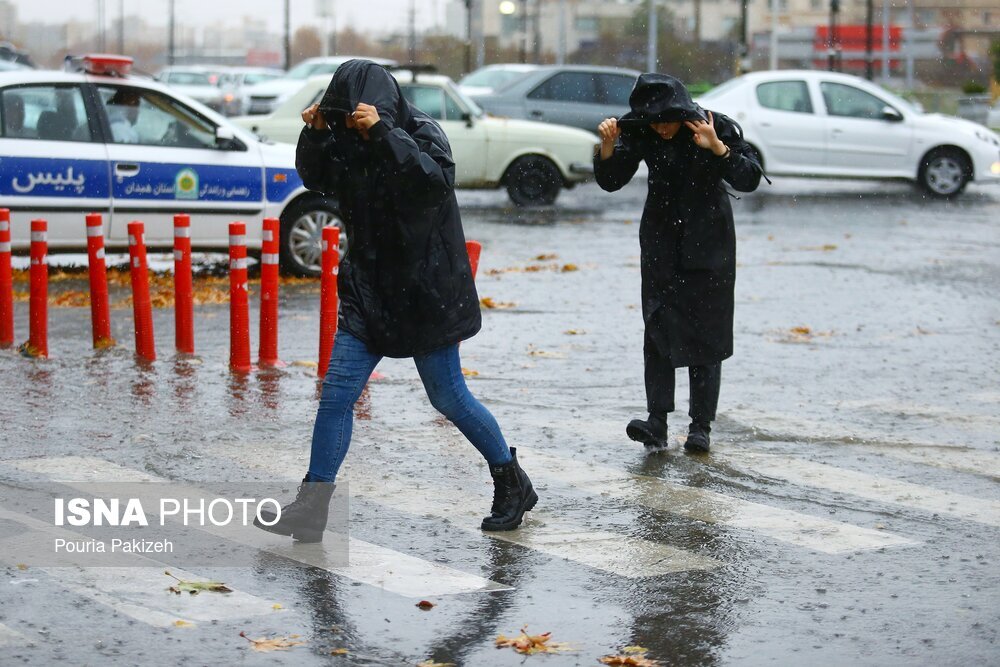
(973, 88)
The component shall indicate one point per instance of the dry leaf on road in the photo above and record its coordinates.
(275, 644)
(634, 660)
(195, 587)
(531, 644)
(426, 605)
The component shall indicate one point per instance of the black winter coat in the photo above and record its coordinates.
(405, 283)
(687, 238)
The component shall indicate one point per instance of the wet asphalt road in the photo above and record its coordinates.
(848, 513)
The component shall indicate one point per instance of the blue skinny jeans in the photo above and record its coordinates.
(351, 364)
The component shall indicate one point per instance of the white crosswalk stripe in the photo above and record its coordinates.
(949, 458)
(872, 487)
(372, 564)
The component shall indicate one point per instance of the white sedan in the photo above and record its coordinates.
(533, 160)
(825, 124)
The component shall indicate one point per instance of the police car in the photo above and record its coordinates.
(94, 139)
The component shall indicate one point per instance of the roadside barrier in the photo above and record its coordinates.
(100, 310)
(328, 297)
(270, 247)
(183, 286)
(142, 306)
(6, 283)
(38, 301)
(239, 300)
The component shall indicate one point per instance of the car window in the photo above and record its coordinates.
(452, 109)
(844, 100)
(139, 116)
(493, 78)
(616, 88)
(45, 112)
(567, 87)
(251, 79)
(429, 99)
(785, 96)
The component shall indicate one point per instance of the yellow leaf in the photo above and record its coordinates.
(635, 660)
(275, 644)
(276, 606)
(489, 303)
(574, 332)
(195, 587)
(546, 257)
(566, 268)
(22, 566)
(469, 373)
(183, 624)
(531, 644)
(305, 363)
(339, 651)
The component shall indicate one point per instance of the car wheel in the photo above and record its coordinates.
(302, 226)
(944, 172)
(533, 180)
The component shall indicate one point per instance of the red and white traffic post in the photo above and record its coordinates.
(328, 296)
(474, 249)
(239, 300)
(6, 283)
(142, 306)
(38, 304)
(183, 286)
(269, 282)
(100, 312)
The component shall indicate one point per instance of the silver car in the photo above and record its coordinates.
(576, 95)
(200, 83)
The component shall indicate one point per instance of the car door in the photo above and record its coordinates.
(791, 133)
(567, 98)
(53, 165)
(861, 138)
(467, 139)
(613, 91)
(165, 160)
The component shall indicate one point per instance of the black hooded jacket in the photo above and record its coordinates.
(687, 237)
(405, 283)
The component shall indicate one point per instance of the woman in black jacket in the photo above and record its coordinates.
(687, 242)
(406, 287)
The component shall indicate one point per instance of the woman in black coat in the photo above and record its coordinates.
(687, 242)
(406, 287)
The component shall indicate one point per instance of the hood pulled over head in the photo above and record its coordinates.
(362, 81)
(659, 98)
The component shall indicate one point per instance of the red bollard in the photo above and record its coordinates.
(6, 283)
(38, 313)
(100, 313)
(142, 306)
(328, 297)
(269, 295)
(239, 300)
(183, 286)
(475, 249)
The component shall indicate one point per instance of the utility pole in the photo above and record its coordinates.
(885, 40)
(170, 34)
(288, 35)
(744, 64)
(412, 21)
(561, 51)
(831, 56)
(773, 50)
(869, 19)
(536, 33)
(524, 30)
(468, 36)
(651, 34)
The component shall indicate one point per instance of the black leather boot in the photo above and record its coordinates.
(303, 519)
(651, 432)
(698, 438)
(513, 495)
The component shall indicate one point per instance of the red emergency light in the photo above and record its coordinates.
(101, 64)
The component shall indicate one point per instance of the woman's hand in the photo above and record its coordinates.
(365, 116)
(313, 117)
(703, 135)
(609, 132)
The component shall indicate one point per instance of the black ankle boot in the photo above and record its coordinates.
(303, 519)
(651, 432)
(513, 495)
(698, 438)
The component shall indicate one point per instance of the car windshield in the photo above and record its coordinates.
(307, 69)
(473, 108)
(492, 78)
(190, 79)
(251, 79)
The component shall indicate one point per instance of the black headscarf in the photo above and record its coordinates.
(659, 98)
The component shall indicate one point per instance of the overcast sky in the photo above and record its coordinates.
(368, 15)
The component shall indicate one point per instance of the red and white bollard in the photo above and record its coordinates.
(475, 249)
(239, 300)
(6, 283)
(269, 295)
(142, 306)
(100, 312)
(183, 286)
(38, 306)
(328, 296)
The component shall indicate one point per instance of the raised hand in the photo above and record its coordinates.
(609, 132)
(704, 136)
(313, 117)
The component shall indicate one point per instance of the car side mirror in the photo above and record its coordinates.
(891, 115)
(225, 138)
(467, 117)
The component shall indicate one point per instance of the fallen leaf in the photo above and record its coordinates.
(432, 663)
(339, 651)
(574, 332)
(547, 257)
(195, 587)
(635, 660)
(546, 355)
(276, 607)
(426, 605)
(275, 644)
(566, 268)
(22, 567)
(531, 644)
(488, 302)
(183, 624)
(801, 331)
(469, 373)
(305, 363)
(628, 650)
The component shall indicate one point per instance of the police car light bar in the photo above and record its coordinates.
(105, 64)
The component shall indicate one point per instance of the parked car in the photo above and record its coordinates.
(993, 118)
(825, 124)
(65, 151)
(236, 82)
(534, 161)
(491, 78)
(575, 95)
(268, 96)
(200, 83)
